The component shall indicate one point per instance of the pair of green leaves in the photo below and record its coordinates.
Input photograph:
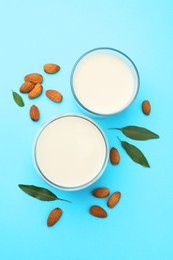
(136, 133)
(40, 193)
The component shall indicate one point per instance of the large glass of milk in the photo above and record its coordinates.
(71, 152)
(104, 81)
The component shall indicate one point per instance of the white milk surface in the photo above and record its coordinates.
(70, 151)
(105, 82)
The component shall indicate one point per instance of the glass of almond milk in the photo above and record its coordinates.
(71, 152)
(104, 81)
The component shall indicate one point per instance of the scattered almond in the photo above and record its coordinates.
(26, 87)
(34, 113)
(146, 107)
(101, 192)
(54, 95)
(98, 211)
(34, 77)
(37, 90)
(54, 216)
(113, 199)
(114, 156)
(51, 68)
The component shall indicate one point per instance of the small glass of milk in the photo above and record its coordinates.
(104, 81)
(71, 152)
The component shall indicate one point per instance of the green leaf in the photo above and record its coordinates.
(39, 193)
(18, 99)
(135, 154)
(137, 133)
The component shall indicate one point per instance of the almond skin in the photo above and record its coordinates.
(114, 156)
(26, 87)
(146, 107)
(101, 192)
(34, 77)
(98, 211)
(34, 113)
(54, 216)
(51, 68)
(113, 199)
(54, 95)
(37, 90)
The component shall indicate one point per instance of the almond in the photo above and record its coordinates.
(113, 199)
(98, 211)
(34, 113)
(26, 87)
(37, 90)
(34, 77)
(101, 192)
(54, 216)
(114, 156)
(54, 95)
(51, 68)
(146, 107)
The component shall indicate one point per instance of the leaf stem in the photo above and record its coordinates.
(114, 128)
(65, 200)
(119, 139)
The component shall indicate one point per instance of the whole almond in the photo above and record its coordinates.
(114, 156)
(36, 91)
(34, 77)
(26, 87)
(34, 113)
(54, 95)
(54, 216)
(113, 199)
(146, 107)
(51, 68)
(101, 192)
(98, 211)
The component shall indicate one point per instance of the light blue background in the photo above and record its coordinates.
(37, 32)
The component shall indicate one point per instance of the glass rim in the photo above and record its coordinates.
(116, 51)
(96, 177)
